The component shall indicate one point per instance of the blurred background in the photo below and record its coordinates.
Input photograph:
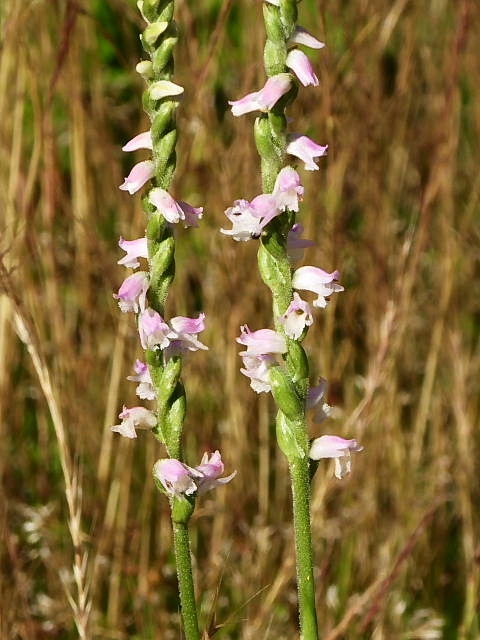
(395, 207)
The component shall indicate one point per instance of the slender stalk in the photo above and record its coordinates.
(289, 389)
(300, 475)
(185, 580)
(159, 39)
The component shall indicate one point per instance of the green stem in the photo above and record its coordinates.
(299, 471)
(185, 580)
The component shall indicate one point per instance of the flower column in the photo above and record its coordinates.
(145, 293)
(275, 360)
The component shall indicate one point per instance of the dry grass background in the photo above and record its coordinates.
(85, 537)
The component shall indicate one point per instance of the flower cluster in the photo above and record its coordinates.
(266, 348)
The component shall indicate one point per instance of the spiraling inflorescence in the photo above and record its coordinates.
(274, 359)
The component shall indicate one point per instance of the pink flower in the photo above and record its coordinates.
(314, 397)
(135, 249)
(211, 468)
(174, 211)
(306, 149)
(297, 317)
(133, 291)
(296, 245)
(261, 342)
(141, 173)
(319, 281)
(300, 64)
(145, 388)
(142, 141)
(337, 448)
(302, 36)
(288, 189)
(246, 225)
(250, 218)
(154, 331)
(179, 479)
(134, 418)
(266, 98)
(184, 335)
(257, 369)
(176, 478)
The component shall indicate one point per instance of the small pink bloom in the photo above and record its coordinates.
(184, 335)
(211, 468)
(300, 64)
(145, 388)
(246, 224)
(302, 36)
(134, 418)
(257, 369)
(261, 342)
(141, 173)
(296, 245)
(142, 141)
(135, 249)
(266, 98)
(319, 281)
(306, 149)
(153, 330)
(176, 477)
(315, 396)
(288, 189)
(133, 291)
(191, 214)
(337, 448)
(166, 205)
(265, 207)
(297, 317)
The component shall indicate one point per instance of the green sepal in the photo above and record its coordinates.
(274, 57)
(273, 24)
(285, 394)
(174, 419)
(152, 33)
(163, 153)
(288, 16)
(297, 366)
(182, 509)
(162, 58)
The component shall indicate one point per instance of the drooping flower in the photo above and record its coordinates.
(315, 397)
(140, 174)
(184, 335)
(266, 98)
(179, 479)
(306, 149)
(297, 317)
(319, 281)
(175, 210)
(142, 141)
(164, 89)
(337, 448)
(133, 292)
(288, 189)
(133, 419)
(300, 64)
(296, 245)
(261, 342)
(302, 36)
(153, 330)
(145, 388)
(134, 249)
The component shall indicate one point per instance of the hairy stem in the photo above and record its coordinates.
(185, 580)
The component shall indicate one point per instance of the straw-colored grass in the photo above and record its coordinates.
(395, 206)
